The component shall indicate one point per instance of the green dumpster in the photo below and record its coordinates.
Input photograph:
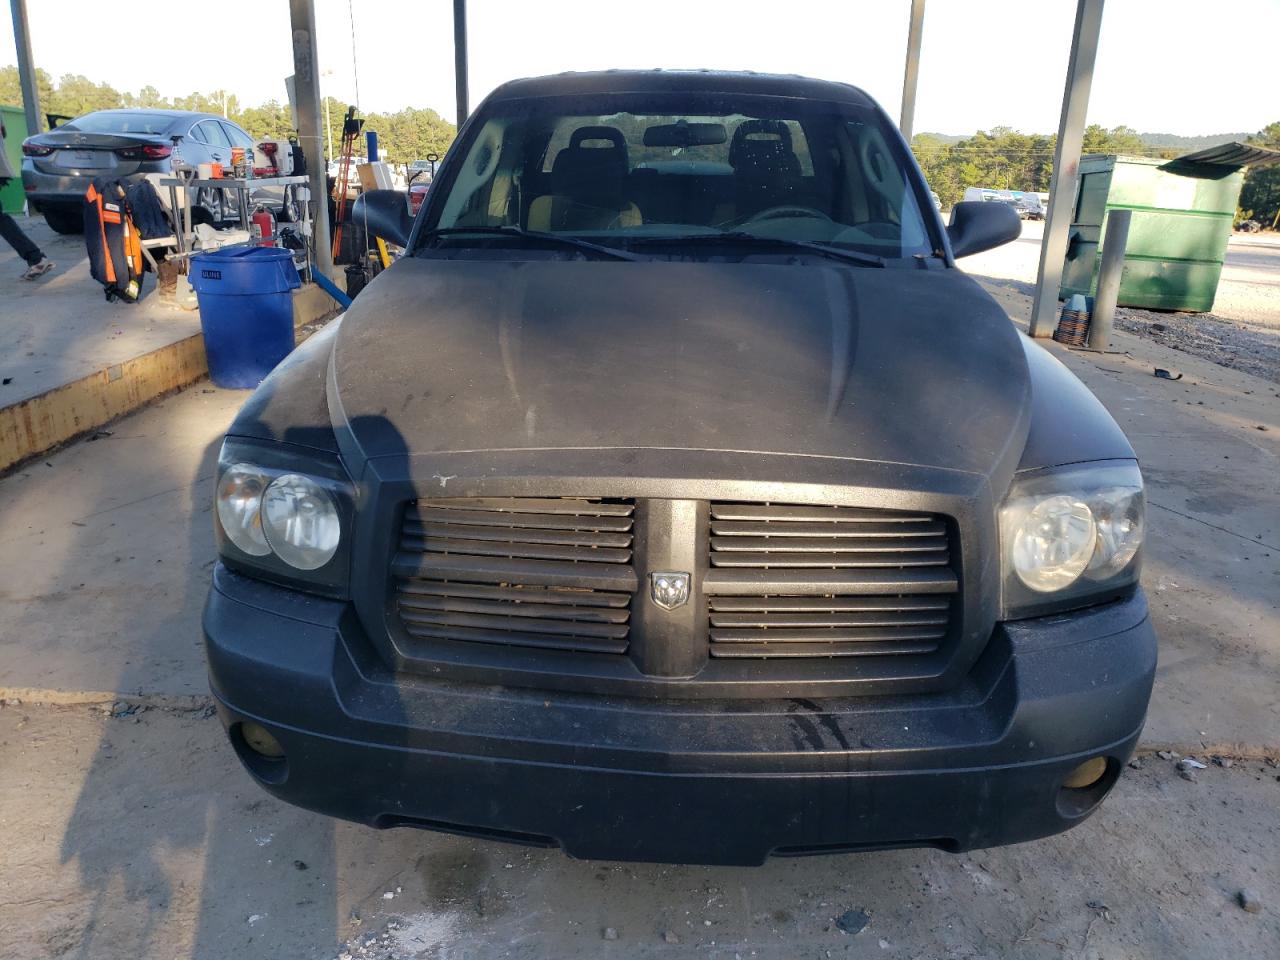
(15, 121)
(1177, 238)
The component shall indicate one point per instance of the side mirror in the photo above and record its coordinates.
(978, 225)
(387, 214)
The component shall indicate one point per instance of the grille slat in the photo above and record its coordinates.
(857, 619)
(830, 604)
(517, 549)
(578, 597)
(529, 521)
(794, 543)
(833, 528)
(513, 638)
(833, 559)
(443, 605)
(565, 628)
(551, 573)
(800, 581)
(810, 651)
(578, 506)
(793, 513)
(418, 532)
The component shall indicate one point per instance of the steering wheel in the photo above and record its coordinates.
(786, 210)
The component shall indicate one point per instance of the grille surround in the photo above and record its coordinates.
(849, 561)
(552, 573)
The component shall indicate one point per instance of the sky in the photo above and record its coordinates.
(1164, 66)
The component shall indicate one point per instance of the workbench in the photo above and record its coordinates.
(180, 213)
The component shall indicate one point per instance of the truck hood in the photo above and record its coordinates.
(902, 366)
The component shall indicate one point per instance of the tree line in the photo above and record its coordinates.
(1006, 159)
(1000, 157)
(403, 136)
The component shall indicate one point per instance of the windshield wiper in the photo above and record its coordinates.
(740, 237)
(511, 230)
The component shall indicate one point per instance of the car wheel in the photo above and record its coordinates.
(64, 220)
(290, 209)
(211, 199)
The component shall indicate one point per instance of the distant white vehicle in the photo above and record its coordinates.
(989, 194)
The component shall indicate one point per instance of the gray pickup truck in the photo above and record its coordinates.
(676, 498)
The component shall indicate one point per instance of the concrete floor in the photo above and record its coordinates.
(199, 863)
(105, 549)
(60, 328)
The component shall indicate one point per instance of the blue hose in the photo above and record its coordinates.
(327, 285)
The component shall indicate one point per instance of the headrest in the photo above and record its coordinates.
(759, 138)
(594, 175)
(612, 134)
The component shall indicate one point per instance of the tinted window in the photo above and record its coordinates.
(121, 121)
(237, 136)
(210, 132)
(631, 165)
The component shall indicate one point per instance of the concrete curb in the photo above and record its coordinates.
(36, 425)
(36, 697)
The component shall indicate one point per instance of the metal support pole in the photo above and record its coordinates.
(1066, 166)
(1115, 238)
(460, 57)
(912, 70)
(26, 68)
(306, 79)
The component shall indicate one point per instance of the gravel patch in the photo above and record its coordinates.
(1228, 343)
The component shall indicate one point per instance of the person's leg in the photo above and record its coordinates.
(20, 242)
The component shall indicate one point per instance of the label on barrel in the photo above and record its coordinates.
(210, 274)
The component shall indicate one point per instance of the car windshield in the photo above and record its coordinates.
(628, 168)
(121, 121)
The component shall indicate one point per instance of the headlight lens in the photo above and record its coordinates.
(239, 503)
(301, 521)
(284, 513)
(1071, 536)
(1053, 542)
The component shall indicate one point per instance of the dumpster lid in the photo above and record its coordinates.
(1214, 163)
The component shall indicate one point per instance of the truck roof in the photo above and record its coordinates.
(664, 81)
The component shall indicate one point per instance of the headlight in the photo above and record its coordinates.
(1070, 536)
(301, 521)
(1053, 541)
(239, 502)
(284, 513)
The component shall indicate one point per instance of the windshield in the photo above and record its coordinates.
(121, 121)
(627, 168)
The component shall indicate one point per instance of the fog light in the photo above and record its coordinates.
(1085, 775)
(260, 741)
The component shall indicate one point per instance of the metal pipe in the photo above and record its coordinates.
(1066, 166)
(1115, 238)
(460, 57)
(26, 69)
(912, 73)
(306, 80)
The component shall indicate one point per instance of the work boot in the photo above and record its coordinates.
(167, 277)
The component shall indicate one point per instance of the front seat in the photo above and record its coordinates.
(766, 170)
(588, 185)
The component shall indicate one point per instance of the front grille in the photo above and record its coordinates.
(816, 581)
(547, 572)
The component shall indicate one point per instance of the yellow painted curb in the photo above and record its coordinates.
(40, 423)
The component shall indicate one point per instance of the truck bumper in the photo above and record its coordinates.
(721, 782)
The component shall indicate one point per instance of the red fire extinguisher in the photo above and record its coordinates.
(262, 229)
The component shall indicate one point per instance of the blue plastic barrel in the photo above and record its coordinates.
(246, 311)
